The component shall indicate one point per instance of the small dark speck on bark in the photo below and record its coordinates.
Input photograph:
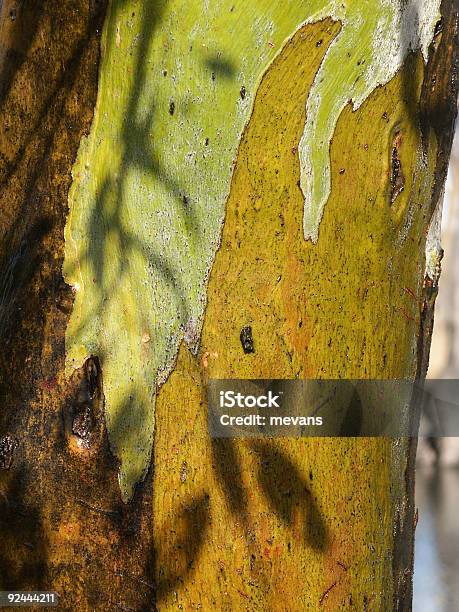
(247, 340)
(8, 445)
(92, 377)
(82, 423)
(326, 593)
(438, 28)
(397, 179)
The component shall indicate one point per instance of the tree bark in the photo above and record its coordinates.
(272, 524)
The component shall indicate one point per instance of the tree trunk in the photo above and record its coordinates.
(171, 174)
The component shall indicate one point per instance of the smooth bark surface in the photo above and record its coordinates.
(285, 524)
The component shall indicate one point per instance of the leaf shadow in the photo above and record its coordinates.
(288, 494)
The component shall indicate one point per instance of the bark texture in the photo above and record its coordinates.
(228, 525)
